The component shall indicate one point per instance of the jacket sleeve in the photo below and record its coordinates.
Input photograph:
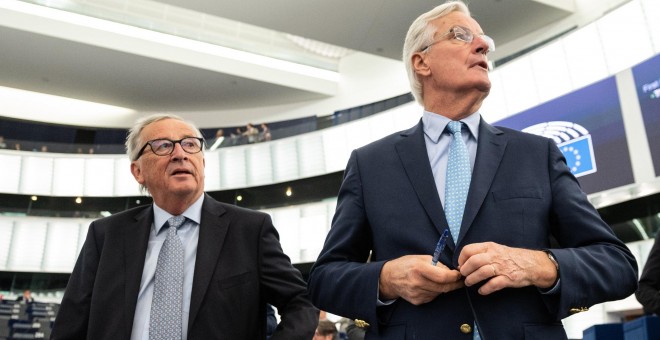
(285, 288)
(341, 281)
(594, 265)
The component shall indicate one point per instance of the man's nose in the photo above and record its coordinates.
(178, 152)
(481, 45)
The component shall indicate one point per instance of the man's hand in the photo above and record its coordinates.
(414, 279)
(505, 267)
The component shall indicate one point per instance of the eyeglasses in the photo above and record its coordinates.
(164, 147)
(465, 35)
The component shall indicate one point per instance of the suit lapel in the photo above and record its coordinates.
(212, 234)
(412, 152)
(490, 150)
(135, 237)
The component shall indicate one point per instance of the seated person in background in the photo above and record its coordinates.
(648, 292)
(326, 330)
(26, 297)
(3, 144)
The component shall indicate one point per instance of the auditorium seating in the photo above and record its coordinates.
(643, 328)
(26, 321)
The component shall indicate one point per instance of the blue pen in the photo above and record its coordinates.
(440, 246)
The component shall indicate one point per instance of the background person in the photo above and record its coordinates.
(230, 258)
(326, 330)
(499, 272)
(26, 297)
(251, 133)
(265, 134)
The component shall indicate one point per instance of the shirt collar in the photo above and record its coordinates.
(193, 213)
(435, 124)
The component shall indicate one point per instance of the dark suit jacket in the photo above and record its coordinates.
(240, 267)
(648, 293)
(521, 193)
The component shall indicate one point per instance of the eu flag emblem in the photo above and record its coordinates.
(579, 154)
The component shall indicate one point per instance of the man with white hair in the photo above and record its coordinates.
(487, 202)
(185, 267)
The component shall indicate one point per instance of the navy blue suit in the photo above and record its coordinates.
(521, 193)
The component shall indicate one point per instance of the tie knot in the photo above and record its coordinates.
(176, 221)
(454, 126)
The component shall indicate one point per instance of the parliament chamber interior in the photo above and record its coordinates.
(587, 83)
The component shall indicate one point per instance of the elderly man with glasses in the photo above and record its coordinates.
(521, 246)
(186, 267)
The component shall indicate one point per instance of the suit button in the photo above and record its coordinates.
(466, 329)
(361, 324)
(576, 310)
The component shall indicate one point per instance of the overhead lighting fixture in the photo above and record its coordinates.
(55, 109)
(33, 198)
(320, 48)
(288, 192)
(78, 200)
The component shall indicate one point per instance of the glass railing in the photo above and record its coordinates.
(28, 145)
(231, 136)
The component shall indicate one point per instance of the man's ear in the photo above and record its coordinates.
(420, 67)
(137, 172)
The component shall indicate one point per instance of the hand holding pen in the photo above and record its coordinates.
(409, 277)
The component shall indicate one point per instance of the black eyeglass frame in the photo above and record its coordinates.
(174, 142)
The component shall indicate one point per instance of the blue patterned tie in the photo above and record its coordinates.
(458, 177)
(167, 305)
(457, 180)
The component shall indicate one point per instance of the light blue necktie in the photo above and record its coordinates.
(457, 180)
(457, 185)
(166, 306)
